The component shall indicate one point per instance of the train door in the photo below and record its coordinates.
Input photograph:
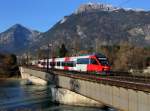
(81, 67)
(82, 64)
(72, 64)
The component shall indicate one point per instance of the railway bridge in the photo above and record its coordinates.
(121, 94)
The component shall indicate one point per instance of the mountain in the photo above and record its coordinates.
(92, 25)
(17, 39)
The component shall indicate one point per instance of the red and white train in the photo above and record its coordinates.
(85, 63)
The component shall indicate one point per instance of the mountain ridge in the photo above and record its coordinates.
(90, 26)
(17, 38)
(108, 27)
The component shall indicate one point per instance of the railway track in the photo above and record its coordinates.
(122, 80)
(132, 78)
(126, 82)
(118, 77)
(111, 75)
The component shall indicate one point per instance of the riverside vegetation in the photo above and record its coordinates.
(8, 66)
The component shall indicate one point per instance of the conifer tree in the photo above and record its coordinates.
(63, 51)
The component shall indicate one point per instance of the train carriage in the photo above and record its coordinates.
(86, 63)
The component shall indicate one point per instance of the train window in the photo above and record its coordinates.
(83, 61)
(103, 61)
(68, 63)
(43, 63)
(93, 61)
(63, 64)
(58, 63)
(52, 63)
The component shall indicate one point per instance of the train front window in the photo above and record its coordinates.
(93, 61)
(103, 62)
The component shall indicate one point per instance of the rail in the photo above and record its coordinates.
(122, 80)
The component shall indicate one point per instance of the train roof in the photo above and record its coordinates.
(98, 55)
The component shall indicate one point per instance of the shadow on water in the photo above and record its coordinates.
(15, 95)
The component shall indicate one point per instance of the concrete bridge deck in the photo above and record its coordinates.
(122, 98)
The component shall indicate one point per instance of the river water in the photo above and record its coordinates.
(16, 95)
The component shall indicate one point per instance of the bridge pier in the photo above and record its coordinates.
(60, 95)
(65, 96)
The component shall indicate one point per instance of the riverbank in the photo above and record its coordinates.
(9, 78)
(7, 75)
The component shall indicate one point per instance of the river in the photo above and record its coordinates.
(16, 95)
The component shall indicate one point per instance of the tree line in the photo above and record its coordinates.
(122, 57)
(126, 57)
(8, 65)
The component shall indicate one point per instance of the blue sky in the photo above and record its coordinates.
(43, 14)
